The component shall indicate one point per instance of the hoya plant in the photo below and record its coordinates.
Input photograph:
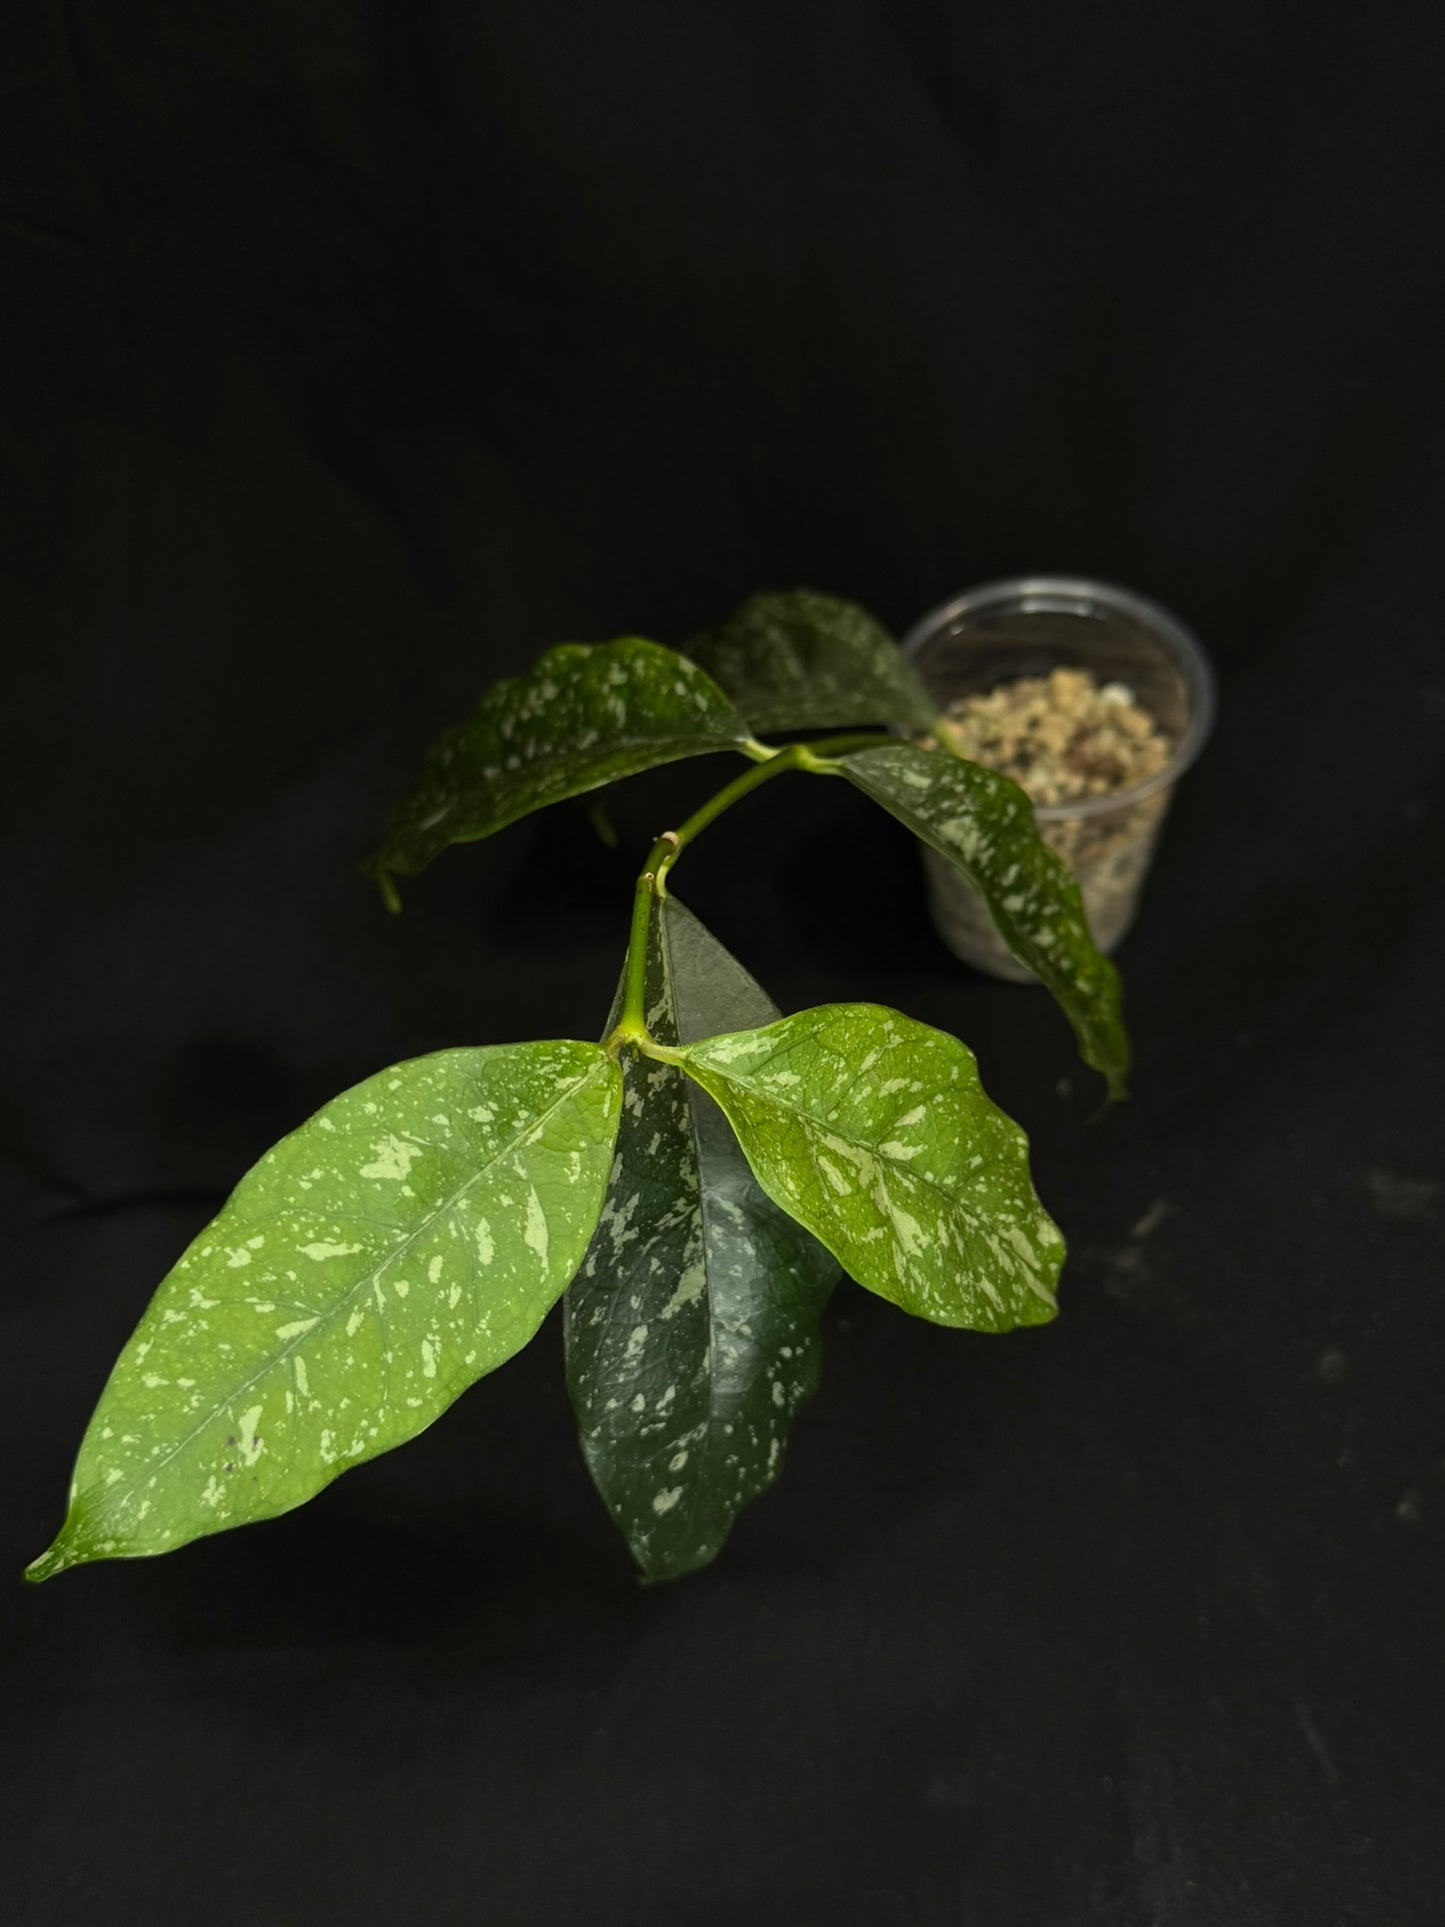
(691, 1186)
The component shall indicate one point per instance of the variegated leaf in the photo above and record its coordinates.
(801, 660)
(406, 1240)
(692, 1328)
(875, 1133)
(582, 716)
(984, 824)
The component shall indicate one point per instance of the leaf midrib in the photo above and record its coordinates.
(112, 1497)
(714, 1412)
(1092, 1028)
(807, 1118)
(893, 1164)
(678, 747)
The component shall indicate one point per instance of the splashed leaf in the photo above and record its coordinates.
(692, 1327)
(582, 716)
(403, 1242)
(874, 1132)
(984, 824)
(801, 660)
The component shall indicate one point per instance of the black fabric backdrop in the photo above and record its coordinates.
(354, 353)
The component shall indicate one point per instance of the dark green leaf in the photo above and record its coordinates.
(582, 716)
(984, 823)
(804, 661)
(875, 1133)
(692, 1328)
(406, 1240)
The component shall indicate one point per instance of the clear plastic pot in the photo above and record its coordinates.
(1027, 627)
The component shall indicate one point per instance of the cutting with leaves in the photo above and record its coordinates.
(692, 1187)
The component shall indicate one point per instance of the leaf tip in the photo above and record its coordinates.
(1118, 1089)
(602, 824)
(1116, 1081)
(377, 870)
(56, 1558)
(666, 1567)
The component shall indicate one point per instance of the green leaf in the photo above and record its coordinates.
(984, 824)
(800, 660)
(875, 1133)
(692, 1328)
(582, 716)
(406, 1240)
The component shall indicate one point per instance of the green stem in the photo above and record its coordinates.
(652, 884)
(632, 1024)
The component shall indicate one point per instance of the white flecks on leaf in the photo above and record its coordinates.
(392, 1157)
(696, 1282)
(910, 1196)
(582, 717)
(288, 1340)
(536, 1228)
(982, 823)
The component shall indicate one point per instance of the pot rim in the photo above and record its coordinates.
(1083, 596)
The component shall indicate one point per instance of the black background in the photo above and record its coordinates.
(352, 355)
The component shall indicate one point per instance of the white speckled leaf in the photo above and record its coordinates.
(875, 1133)
(403, 1242)
(984, 823)
(800, 660)
(693, 1325)
(582, 716)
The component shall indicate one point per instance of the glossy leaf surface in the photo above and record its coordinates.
(692, 1328)
(403, 1242)
(984, 824)
(799, 660)
(583, 715)
(875, 1133)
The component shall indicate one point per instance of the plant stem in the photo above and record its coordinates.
(632, 1024)
(805, 756)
